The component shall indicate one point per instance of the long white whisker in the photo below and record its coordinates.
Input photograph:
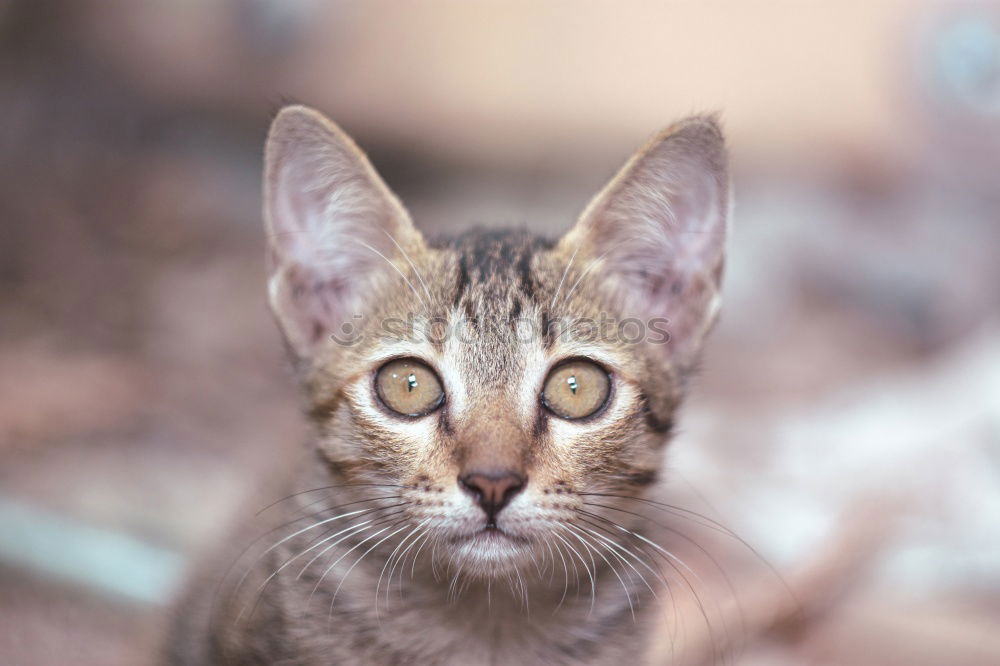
(565, 576)
(613, 548)
(412, 265)
(563, 278)
(260, 589)
(524, 590)
(395, 268)
(401, 564)
(416, 555)
(347, 573)
(681, 512)
(711, 524)
(628, 551)
(302, 531)
(551, 559)
(590, 548)
(452, 585)
(676, 563)
(318, 524)
(434, 561)
(345, 554)
(379, 521)
(391, 557)
(593, 584)
(658, 573)
(592, 264)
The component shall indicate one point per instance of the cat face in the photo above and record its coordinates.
(494, 380)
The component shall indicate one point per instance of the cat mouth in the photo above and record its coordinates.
(490, 535)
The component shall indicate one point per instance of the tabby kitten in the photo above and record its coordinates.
(490, 410)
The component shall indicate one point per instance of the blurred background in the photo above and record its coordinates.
(847, 423)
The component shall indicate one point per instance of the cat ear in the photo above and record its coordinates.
(658, 231)
(333, 227)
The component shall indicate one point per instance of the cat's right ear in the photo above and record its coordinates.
(658, 231)
(333, 227)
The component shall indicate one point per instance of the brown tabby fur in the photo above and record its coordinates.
(453, 601)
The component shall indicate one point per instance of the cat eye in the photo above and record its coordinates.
(576, 389)
(409, 387)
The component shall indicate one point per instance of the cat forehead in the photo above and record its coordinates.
(494, 267)
(495, 300)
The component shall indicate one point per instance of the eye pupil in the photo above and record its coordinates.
(408, 387)
(589, 387)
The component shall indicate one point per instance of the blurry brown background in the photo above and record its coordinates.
(848, 420)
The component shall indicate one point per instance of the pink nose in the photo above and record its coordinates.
(493, 490)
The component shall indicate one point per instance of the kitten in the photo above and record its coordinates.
(490, 411)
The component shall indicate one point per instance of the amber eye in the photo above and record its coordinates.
(409, 387)
(576, 389)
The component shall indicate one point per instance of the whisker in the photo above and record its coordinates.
(569, 264)
(593, 263)
(328, 520)
(652, 561)
(711, 558)
(412, 265)
(551, 559)
(271, 531)
(538, 565)
(523, 592)
(616, 546)
(388, 560)
(306, 508)
(347, 532)
(260, 589)
(658, 573)
(333, 487)
(590, 266)
(452, 585)
(566, 576)
(675, 563)
(401, 561)
(434, 560)
(636, 534)
(711, 524)
(395, 268)
(382, 520)
(345, 554)
(593, 584)
(587, 545)
(357, 512)
(680, 511)
(347, 573)
(416, 555)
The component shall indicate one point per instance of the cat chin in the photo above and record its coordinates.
(490, 554)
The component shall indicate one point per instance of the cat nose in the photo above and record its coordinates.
(493, 490)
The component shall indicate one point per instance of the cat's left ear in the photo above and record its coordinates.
(658, 231)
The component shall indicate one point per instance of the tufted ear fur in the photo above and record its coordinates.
(658, 231)
(333, 227)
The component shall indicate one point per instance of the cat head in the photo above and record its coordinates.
(495, 380)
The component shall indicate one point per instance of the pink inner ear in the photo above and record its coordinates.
(316, 306)
(332, 224)
(665, 234)
(661, 230)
